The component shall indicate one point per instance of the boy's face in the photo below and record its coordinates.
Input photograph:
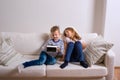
(56, 35)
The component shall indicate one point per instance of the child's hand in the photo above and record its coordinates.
(58, 49)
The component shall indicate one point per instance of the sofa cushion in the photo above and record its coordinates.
(7, 52)
(26, 43)
(75, 70)
(34, 71)
(88, 37)
(7, 71)
(96, 50)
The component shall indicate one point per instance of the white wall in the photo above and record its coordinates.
(40, 15)
(112, 27)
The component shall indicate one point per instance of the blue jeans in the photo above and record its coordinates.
(43, 59)
(74, 52)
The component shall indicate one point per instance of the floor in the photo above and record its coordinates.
(117, 73)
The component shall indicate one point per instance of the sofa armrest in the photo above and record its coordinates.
(109, 63)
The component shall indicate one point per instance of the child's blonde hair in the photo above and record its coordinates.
(54, 28)
(75, 34)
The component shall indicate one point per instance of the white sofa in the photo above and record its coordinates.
(28, 44)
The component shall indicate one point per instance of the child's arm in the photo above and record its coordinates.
(64, 53)
(61, 48)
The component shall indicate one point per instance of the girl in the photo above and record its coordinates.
(74, 48)
(48, 58)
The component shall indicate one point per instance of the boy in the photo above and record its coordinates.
(47, 57)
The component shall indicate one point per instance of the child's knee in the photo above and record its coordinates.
(78, 43)
(43, 53)
(70, 44)
(51, 62)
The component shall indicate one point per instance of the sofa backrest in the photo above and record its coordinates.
(30, 43)
(26, 43)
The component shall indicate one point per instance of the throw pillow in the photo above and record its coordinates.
(7, 52)
(96, 49)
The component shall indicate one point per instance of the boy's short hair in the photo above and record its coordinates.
(55, 28)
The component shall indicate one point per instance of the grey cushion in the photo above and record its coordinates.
(96, 49)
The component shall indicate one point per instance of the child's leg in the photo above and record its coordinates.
(79, 54)
(69, 51)
(70, 47)
(79, 51)
(39, 61)
(50, 60)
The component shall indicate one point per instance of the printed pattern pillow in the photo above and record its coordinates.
(7, 52)
(96, 49)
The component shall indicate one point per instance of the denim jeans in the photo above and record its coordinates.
(43, 59)
(74, 52)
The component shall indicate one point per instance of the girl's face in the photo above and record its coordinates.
(56, 35)
(68, 33)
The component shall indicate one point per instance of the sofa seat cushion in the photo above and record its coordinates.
(75, 70)
(7, 71)
(12, 69)
(33, 71)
